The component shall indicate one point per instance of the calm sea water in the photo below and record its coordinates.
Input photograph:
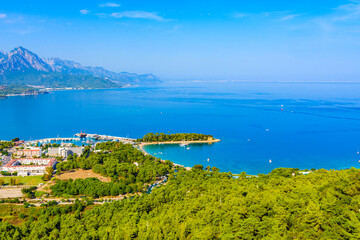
(319, 126)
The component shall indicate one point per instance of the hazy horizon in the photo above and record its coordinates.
(205, 40)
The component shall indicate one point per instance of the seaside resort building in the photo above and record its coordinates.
(29, 166)
(29, 152)
(65, 151)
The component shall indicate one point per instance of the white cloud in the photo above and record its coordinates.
(348, 11)
(12, 18)
(240, 15)
(138, 15)
(109, 4)
(84, 11)
(289, 17)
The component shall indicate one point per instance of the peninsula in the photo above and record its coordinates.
(175, 138)
(162, 138)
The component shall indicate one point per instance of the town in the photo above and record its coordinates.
(24, 164)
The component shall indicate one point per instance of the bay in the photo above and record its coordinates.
(300, 125)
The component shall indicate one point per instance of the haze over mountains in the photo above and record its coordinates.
(21, 66)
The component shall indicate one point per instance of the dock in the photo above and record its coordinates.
(95, 137)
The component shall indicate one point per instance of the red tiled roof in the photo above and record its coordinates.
(51, 162)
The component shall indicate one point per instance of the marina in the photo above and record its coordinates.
(87, 139)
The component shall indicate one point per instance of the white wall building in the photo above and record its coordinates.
(29, 152)
(26, 166)
(65, 151)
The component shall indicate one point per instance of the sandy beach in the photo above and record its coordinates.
(141, 145)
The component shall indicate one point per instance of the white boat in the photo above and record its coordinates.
(183, 144)
(270, 161)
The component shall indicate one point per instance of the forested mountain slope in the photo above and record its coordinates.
(200, 204)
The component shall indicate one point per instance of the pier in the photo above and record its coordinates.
(95, 137)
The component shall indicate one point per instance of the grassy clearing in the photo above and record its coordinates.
(28, 180)
(82, 174)
(10, 213)
(15, 214)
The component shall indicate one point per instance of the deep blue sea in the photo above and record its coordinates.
(300, 125)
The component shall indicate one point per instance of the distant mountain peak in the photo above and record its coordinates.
(21, 51)
(20, 48)
(21, 60)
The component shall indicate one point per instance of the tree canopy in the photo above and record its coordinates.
(129, 169)
(205, 204)
(162, 137)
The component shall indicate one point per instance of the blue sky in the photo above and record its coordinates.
(216, 40)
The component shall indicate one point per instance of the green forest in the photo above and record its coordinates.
(4, 145)
(15, 89)
(206, 204)
(162, 137)
(57, 80)
(129, 169)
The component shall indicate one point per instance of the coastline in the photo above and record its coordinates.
(141, 145)
(51, 90)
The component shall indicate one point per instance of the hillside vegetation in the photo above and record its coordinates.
(129, 169)
(200, 204)
(162, 137)
(57, 80)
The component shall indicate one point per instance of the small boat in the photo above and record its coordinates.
(183, 144)
(187, 148)
(96, 137)
(270, 161)
(208, 159)
(81, 135)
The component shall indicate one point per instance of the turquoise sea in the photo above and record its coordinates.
(301, 125)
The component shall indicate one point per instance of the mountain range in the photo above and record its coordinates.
(23, 67)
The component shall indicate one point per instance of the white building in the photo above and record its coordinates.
(65, 151)
(29, 152)
(26, 166)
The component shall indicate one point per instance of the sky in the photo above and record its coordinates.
(199, 40)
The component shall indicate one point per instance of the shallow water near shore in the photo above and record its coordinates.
(300, 125)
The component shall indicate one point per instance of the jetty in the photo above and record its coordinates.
(89, 136)
(51, 140)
